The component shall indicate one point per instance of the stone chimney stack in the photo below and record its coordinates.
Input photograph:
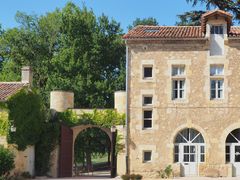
(27, 75)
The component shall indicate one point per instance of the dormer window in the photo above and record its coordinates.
(217, 30)
(217, 40)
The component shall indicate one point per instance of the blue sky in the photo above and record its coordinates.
(123, 11)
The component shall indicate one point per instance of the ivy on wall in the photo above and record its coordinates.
(104, 118)
(26, 113)
(3, 123)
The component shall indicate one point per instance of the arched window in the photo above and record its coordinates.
(189, 146)
(233, 147)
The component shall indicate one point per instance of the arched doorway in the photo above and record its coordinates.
(232, 151)
(66, 149)
(92, 153)
(189, 151)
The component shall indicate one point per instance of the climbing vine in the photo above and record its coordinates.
(3, 123)
(104, 118)
(26, 114)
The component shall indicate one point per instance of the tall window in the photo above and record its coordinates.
(217, 81)
(178, 82)
(147, 119)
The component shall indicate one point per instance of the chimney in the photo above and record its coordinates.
(27, 75)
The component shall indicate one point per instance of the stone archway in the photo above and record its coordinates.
(68, 137)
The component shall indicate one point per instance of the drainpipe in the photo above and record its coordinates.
(127, 114)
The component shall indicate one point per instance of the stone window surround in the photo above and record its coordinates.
(176, 62)
(143, 148)
(148, 161)
(155, 103)
(147, 63)
(217, 61)
(178, 78)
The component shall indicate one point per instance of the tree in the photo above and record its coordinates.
(145, 21)
(191, 18)
(6, 161)
(69, 49)
(194, 17)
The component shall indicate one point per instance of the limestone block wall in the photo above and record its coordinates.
(214, 119)
(61, 100)
(120, 101)
(121, 157)
(24, 160)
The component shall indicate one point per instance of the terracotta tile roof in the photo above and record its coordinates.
(164, 32)
(172, 32)
(9, 88)
(234, 31)
(215, 13)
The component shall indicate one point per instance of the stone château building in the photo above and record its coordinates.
(183, 96)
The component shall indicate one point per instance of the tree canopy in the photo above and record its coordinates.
(145, 21)
(192, 18)
(68, 49)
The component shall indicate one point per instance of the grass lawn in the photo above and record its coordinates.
(99, 159)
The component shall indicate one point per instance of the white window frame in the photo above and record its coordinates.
(178, 89)
(217, 89)
(217, 77)
(178, 77)
(147, 119)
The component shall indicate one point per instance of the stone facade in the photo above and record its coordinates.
(213, 118)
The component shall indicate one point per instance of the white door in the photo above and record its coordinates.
(189, 159)
(236, 163)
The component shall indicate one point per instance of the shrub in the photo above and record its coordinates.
(166, 173)
(6, 161)
(26, 175)
(131, 176)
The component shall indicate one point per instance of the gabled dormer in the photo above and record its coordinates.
(216, 26)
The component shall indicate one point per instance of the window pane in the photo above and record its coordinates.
(186, 149)
(147, 114)
(213, 94)
(181, 95)
(216, 70)
(202, 149)
(176, 158)
(176, 149)
(186, 158)
(220, 93)
(227, 149)
(192, 149)
(213, 84)
(147, 124)
(147, 100)
(178, 70)
(227, 157)
(175, 84)
(202, 159)
(220, 84)
(147, 72)
(147, 156)
(192, 158)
